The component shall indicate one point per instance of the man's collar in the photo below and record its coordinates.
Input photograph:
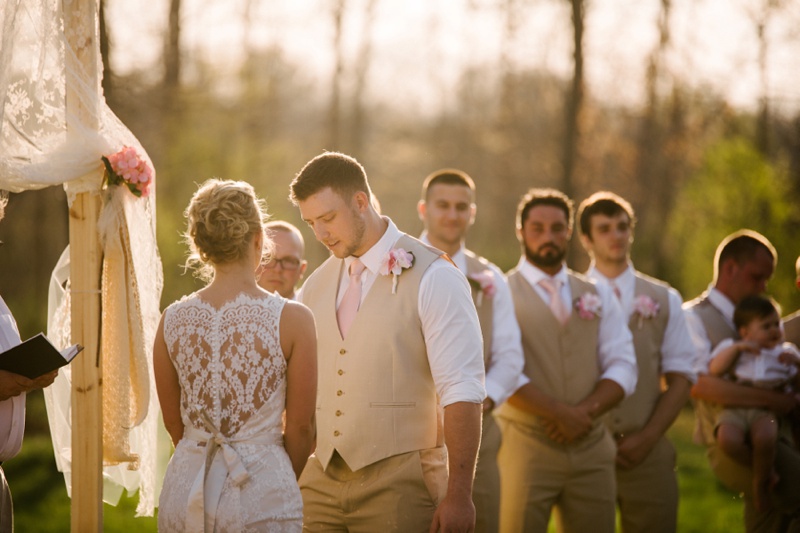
(534, 274)
(719, 300)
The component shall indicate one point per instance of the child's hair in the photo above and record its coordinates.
(754, 307)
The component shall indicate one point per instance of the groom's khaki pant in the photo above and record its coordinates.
(399, 493)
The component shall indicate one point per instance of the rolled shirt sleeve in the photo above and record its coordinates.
(678, 353)
(452, 334)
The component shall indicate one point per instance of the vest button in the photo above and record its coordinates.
(336, 433)
(342, 351)
(339, 393)
(338, 413)
(340, 372)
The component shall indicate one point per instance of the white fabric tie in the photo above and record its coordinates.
(352, 298)
(206, 490)
(553, 289)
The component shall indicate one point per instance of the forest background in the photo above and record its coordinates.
(531, 97)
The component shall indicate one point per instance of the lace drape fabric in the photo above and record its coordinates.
(232, 374)
(54, 127)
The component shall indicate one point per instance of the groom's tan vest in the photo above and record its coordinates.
(561, 361)
(717, 329)
(484, 305)
(376, 396)
(648, 335)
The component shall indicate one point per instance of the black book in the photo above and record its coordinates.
(36, 356)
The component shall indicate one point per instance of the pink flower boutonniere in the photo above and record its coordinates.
(484, 283)
(125, 167)
(645, 307)
(394, 262)
(588, 306)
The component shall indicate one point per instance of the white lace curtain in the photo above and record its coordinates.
(43, 143)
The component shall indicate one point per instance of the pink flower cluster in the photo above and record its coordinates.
(588, 306)
(645, 307)
(485, 282)
(394, 262)
(126, 167)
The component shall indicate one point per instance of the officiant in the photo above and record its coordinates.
(12, 404)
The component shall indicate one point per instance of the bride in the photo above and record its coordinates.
(228, 360)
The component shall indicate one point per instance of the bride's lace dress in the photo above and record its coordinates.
(231, 466)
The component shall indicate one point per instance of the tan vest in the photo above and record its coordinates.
(717, 329)
(648, 335)
(484, 306)
(791, 327)
(561, 361)
(376, 396)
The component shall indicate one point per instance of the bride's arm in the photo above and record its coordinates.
(299, 344)
(168, 386)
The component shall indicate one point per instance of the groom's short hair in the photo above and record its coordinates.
(341, 172)
(603, 203)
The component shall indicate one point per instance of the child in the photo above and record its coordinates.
(760, 359)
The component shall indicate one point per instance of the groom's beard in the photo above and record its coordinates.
(548, 255)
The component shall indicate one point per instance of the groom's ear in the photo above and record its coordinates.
(422, 209)
(361, 200)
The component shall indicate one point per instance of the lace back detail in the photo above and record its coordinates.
(229, 360)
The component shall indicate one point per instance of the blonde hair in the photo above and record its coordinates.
(3, 202)
(223, 217)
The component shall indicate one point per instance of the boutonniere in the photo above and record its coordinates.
(394, 262)
(125, 167)
(645, 307)
(588, 306)
(484, 283)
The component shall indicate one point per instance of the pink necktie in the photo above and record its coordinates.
(616, 290)
(351, 299)
(552, 287)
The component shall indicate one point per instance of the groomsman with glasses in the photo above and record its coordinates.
(647, 487)
(286, 265)
(557, 453)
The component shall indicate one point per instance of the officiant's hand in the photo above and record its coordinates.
(14, 384)
(455, 514)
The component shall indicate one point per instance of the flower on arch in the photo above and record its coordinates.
(126, 167)
(394, 262)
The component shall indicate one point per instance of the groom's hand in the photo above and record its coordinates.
(456, 514)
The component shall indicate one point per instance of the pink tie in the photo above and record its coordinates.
(552, 287)
(352, 298)
(616, 290)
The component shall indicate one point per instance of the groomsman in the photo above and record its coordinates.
(744, 263)
(447, 209)
(647, 487)
(791, 323)
(400, 368)
(286, 266)
(556, 452)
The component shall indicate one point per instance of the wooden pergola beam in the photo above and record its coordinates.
(85, 269)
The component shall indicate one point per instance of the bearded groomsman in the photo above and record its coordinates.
(557, 452)
(400, 368)
(647, 487)
(447, 209)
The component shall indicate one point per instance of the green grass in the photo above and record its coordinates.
(41, 503)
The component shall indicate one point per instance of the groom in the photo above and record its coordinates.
(400, 368)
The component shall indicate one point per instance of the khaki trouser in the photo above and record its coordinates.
(486, 489)
(537, 476)
(648, 494)
(397, 494)
(785, 512)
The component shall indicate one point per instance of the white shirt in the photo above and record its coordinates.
(700, 338)
(677, 350)
(504, 375)
(448, 317)
(12, 410)
(614, 340)
(764, 368)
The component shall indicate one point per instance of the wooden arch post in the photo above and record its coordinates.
(80, 25)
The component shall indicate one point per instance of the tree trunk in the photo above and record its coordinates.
(357, 125)
(172, 48)
(334, 112)
(574, 100)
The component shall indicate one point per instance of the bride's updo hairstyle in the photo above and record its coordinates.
(223, 217)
